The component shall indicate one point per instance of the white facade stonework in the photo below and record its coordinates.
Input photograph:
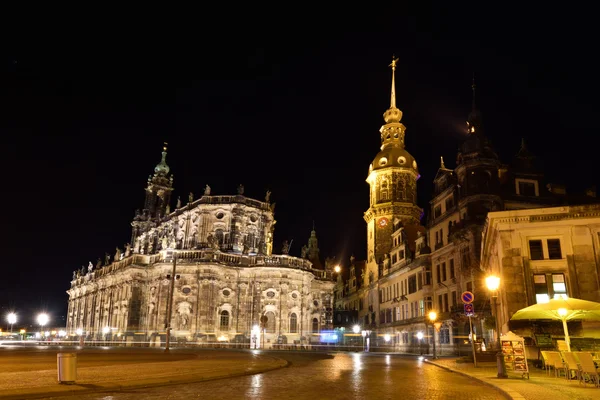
(226, 278)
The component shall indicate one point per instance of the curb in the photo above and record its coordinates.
(508, 393)
(75, 389)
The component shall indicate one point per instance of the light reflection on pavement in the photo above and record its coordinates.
(316, 376)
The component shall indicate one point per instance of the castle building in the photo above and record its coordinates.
(206, 270)
(411, 270)
(391, 290)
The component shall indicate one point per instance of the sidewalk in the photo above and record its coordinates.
(539, 386)
(31, 379)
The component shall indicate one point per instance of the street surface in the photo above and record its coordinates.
(317, 376)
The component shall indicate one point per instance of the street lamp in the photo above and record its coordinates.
(493, 283)
(337, 269)
(12, 319)
(420, 337)
(42, 320)
(364, 334)
(432, 318)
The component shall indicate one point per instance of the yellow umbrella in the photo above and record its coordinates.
(561, 310)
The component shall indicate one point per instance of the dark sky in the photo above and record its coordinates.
(294, 111)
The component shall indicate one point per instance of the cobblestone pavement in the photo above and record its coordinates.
(29, 373)
(315, 376)
(539, 386)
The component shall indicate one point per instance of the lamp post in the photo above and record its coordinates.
(432, 318)
(364, 334)
(12, 319)
(356, 330)
(493, 283)
(420, 337)
(170, 304)
(42, 320)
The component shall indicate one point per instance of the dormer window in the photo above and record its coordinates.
(437, 211)
(527, 187)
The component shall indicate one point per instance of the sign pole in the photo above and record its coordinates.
(473, 342)
(467, 298)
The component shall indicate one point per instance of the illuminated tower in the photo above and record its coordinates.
(158, 196)
(392, 179)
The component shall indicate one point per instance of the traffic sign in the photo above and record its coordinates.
(469, 310)
(467, 297)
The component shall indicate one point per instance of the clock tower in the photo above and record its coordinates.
(392, 180)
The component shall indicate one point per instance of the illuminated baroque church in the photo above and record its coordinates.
(226, 281)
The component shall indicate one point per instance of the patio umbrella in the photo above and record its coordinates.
(561, 310)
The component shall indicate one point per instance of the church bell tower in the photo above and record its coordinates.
(392, 182)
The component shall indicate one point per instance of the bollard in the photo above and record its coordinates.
(67, 367)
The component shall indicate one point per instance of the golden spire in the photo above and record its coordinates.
(442, 162)
(393, 115)
(393, 96)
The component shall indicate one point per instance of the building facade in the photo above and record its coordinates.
(543, 253)
(216, 252)
(413, 269)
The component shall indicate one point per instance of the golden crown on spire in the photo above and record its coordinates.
(394, 61)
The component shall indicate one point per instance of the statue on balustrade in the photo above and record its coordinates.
(285, 247)
(127, 249)
(304, 251)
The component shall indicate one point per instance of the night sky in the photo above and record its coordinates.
(296, 112)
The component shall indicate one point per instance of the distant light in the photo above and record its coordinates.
(387, 337)
(419, 335)
(79, 331)
(62, 333)
(12, 318)
(42, 319)
(337, 269)
(356, 328)
(105, 330)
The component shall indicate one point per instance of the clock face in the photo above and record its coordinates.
(382, 222)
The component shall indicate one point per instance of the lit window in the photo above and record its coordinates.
(544, 292)
(558, 286)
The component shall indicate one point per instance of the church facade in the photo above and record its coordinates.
(206, 271)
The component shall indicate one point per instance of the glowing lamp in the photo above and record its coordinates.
(492, 282)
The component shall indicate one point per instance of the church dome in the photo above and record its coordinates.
(162, 168)
(394, 157)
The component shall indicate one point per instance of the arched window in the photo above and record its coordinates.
(270, 327)
(384, 191)
(315, 325)
(224, 323)
(293, 323)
